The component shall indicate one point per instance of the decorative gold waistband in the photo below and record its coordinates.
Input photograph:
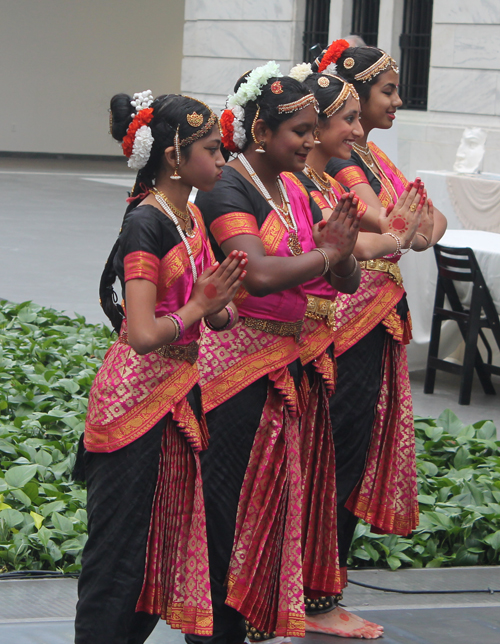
(188, 352)
(319, 309)
(384, 266)
(277, 328)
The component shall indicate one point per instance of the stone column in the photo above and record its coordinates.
(226, 38)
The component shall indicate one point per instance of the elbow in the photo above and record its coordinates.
(141, 345)
(258, 285)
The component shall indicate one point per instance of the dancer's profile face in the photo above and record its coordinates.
(379, 111)
(288, 146)
(338, 133)
(203, 168)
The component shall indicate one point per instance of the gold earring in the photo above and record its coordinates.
(259, 143)
(316, 140)
(177, 146)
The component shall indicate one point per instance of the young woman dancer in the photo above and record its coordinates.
(146, 554)
(376, 464)
(251, 376)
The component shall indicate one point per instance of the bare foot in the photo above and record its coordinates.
(341, 623)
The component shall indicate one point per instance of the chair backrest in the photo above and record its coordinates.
(457, 264)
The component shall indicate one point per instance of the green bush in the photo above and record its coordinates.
(459, 496)
(47, 364)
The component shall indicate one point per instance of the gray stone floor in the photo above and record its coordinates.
(58, 221)
(42, 611)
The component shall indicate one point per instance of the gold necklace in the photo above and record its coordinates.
(323, 185)
(184, 216)
(372, 162)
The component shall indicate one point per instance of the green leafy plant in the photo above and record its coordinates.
(459, 496)
(47, 364)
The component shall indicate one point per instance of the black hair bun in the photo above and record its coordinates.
(122, 113)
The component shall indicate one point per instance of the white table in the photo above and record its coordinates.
(419, 276)
(470, 201)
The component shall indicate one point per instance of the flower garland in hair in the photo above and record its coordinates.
(301, 71)
(332, 54)
(233, 132)
(138, 141)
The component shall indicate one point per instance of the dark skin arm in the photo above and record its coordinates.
(269, 274)
(213, 290)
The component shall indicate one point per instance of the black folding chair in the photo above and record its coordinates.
(460, 265)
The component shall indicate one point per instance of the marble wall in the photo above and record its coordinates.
(224, 39)
(464, 88)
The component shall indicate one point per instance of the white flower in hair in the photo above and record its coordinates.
(142, 100)
(301, 71)
(251, 88)
(331, 69)
(239, 136)
(141, 150)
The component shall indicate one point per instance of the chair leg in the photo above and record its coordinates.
(471, 350)
(430, 372)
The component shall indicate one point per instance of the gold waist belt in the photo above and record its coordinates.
(277, 328)
(188, 352)
(384, 266)
(320, 309)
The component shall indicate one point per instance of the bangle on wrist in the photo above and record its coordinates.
(346, 277)
(227, 325)
(406, 250)
(178, 324)
(427, 242)
(327, 261)
(398, 246)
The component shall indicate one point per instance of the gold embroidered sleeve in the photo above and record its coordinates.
(232, 224)
(141, 265)
(351, 176)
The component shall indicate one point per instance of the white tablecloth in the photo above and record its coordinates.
(419, 275)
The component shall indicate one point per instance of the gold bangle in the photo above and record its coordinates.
(327, 261)
(346, 277)
(426, 240)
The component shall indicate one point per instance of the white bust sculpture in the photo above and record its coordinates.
(470, 152)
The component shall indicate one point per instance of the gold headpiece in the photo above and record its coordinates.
(277, 88)
(195, 119)
(323, 81)
(348, 63)
(288, 108)
(382, 64)
(191, 118)
(346, 91)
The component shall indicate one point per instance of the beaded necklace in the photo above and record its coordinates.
(161, 200)
(284, 212)
(372, 162)
(185, 216)
(323, 185)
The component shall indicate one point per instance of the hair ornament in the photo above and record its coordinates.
(381, 65)
(301, 71)
(138, 141)
(251, 88)
(348, 63)
(233, 133)
(195, 119)
(300, 104)
(346, 91)
(277, 87)
(323, 81)
(332, 54)
(142, 100)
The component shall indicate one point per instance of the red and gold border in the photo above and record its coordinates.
(141, 265)
(232, 224)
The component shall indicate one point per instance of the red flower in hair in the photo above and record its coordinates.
(333, 53)
(144, 117)
(226, 123)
